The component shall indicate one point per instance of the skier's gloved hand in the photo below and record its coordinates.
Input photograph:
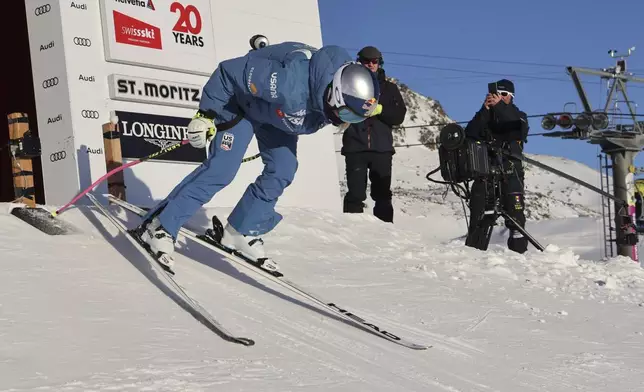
(200, 130)
(343, 127)
(377, 111)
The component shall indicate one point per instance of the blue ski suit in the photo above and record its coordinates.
(279, 91)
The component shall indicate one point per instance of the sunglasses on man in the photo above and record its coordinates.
(504, 93)
(369, 61)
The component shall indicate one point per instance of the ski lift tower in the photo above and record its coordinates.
(621, 142)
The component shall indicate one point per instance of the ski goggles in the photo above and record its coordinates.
(349, 116)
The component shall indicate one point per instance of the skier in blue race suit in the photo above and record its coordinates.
(276, 93)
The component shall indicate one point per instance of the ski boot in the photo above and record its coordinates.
(248, 247)
(159, 242)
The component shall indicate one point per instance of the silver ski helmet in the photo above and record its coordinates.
(354, 92)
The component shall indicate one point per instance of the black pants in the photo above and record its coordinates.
(378, 165)
(483, 197)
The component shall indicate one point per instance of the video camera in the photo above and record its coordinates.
(463, 159)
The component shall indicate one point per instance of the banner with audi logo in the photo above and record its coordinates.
(42, 10)
(51, 82)
(143, 134)
(80, 41)
(57, 156)
(91, 114)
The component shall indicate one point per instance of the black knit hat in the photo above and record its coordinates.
(369, 52)
(505, 85)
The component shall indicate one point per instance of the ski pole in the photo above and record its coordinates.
(123, 167)
(116, 170)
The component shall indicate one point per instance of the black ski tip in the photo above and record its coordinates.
(245, 341)
(43, 220)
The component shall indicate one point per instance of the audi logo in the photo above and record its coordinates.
(43, 9)
(51, 82)
(80, 41)
(57, 156)
(93, 114)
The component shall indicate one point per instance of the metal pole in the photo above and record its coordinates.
(622, 161)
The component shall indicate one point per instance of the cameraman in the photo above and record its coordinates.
(501, 123)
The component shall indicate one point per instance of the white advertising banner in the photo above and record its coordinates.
(142, 65)
(54, 117)
(159, 92)
(83, 43)
(165, 34)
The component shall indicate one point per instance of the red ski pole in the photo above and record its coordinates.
(116, 170)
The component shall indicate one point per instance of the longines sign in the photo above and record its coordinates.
(157, 92)
(143, 134)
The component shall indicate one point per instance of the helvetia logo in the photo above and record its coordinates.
(131, 31)
(43, 9)
(138, 3)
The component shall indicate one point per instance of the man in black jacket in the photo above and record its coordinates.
(369, 145)
(502, 123)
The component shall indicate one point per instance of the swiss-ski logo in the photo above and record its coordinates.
(131, 31)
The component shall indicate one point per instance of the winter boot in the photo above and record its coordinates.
(160, 242)
(251, 247)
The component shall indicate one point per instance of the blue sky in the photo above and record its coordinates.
(414, 35)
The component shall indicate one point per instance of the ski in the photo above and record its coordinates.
(208, 240)
(198, 311)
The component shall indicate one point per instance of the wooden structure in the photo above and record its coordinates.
(22, 168)
(113, 159)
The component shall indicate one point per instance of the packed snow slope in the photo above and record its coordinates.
(85, 312)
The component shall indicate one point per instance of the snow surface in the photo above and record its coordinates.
(85, 312)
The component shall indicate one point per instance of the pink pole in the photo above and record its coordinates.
(115, 170)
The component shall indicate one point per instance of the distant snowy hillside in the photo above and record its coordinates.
(548, 195)
(421, 110)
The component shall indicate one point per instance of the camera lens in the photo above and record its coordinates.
(258, 41)
(451, 136)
